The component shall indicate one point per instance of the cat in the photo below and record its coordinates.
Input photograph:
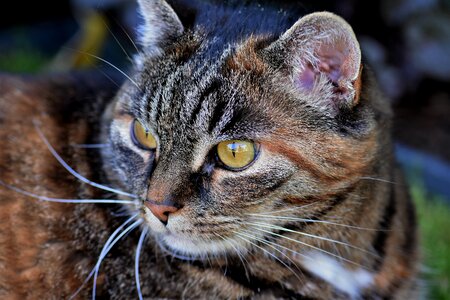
(248, 155)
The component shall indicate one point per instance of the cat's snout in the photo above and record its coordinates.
(161, 199)
(161, 210)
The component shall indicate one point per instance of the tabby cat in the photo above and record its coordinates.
(248, 155)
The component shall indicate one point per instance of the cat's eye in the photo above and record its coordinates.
(236, 154)
(142, 137)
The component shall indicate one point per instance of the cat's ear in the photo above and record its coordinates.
(322, 57)
(162, 25)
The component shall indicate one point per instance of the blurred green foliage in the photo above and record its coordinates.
(434, 224)
(18, 55)
(24, 60)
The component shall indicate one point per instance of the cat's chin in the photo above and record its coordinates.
(189, 249)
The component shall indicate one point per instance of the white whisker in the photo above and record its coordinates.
(128, 36)
(239, 254)
(288, 249)
(72, 171)
(271, 254)
(208, 259)
(289, 209)
(377, 179)
(310, 246)
(106, 250)
(136, 262)
(250, 236)
(311, 236)
(59, 200)
(108, 63)
(116, 39)
(226, 266)
(291, 218)
(122, 212)
(108, 77)
(108, 242)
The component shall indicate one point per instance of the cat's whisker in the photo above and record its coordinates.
(270, 226)
(310, 246)
(206, 256)
(60, 200)
(107, 243)
(116, 39)
(267, 252)
(108, 77)
(136, 262)
(72, 171)
(292, 218)
(377, 179)
(226, 265)
(108, 63)
(217, 256)
(238, 253)
(128, 36)
(106, 250)
(89, 146)
(122, 212)
(296, 208)
(290, 250)
(251, 236)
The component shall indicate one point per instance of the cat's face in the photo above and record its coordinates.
(210, 143)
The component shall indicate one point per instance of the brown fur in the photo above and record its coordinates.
(38, 252)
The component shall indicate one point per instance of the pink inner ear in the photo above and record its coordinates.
(307, 78)
(333, 58)
(333, 62)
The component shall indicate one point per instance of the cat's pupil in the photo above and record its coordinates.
(234, 149)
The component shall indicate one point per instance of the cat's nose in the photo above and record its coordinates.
(161, 210)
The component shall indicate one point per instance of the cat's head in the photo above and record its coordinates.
(213, 139)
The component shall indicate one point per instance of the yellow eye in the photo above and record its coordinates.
(142, 137)
(236, 154)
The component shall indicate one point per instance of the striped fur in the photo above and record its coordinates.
(322, 213)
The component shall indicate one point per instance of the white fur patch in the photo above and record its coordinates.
(332, 271)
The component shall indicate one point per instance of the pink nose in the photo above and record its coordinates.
(161, 211)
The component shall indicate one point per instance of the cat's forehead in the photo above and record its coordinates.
(200, 94)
